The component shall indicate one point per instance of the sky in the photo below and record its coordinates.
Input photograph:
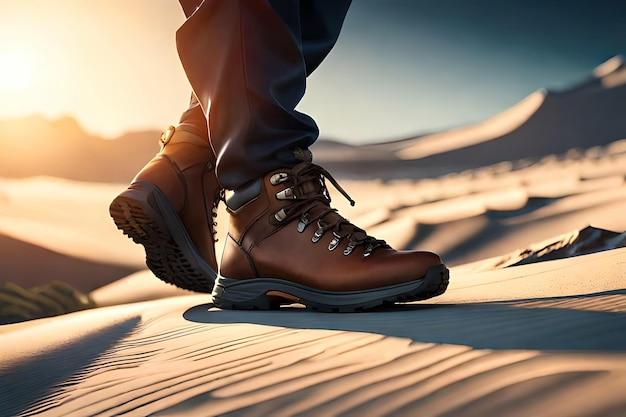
(400, 68)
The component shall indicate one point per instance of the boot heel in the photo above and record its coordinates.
(144, 214)
(132, 214)
(241, 297)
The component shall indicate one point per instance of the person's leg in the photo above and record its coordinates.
(169, 206)
(193, 117)
(189, 6)
(245, 62)
(320, 25)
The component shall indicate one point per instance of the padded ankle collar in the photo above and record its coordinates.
(238, 198)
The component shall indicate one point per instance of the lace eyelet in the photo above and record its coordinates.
(286, 194)
(278, 178)
(348, 250)
(335, 242)
(318, 233)
(369, 248)
(280, 215)
(304, 221)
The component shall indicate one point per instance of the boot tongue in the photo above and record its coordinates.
(309, 182)
(313, 185)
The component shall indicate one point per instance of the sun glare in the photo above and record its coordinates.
(16, 71)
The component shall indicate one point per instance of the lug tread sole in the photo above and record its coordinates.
(252, 294)
(170, 258)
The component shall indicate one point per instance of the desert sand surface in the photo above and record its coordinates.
(532, 322)
(516, 341)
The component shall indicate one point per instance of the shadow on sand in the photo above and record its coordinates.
(36, 380)
(486, 325)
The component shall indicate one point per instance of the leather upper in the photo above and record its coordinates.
(184, 171)
(314, 253)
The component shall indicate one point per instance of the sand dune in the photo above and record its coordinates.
(68, 217)
(485, 348)
(489, 346)
(493, 128)
(31, 265)
(466, 217)
(494, 210)
(546, 122)
(532, 323)
(61, 148)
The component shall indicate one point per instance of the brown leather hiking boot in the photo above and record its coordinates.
(286, 244)
(170, 207)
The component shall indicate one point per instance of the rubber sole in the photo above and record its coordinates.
(271, 293)
(145, 215)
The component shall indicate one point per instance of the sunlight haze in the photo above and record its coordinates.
(416, 67)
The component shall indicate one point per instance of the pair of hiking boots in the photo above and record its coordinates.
(285, 243)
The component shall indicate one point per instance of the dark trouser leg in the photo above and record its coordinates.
(247, 62)
(320, 24)
(193, 118)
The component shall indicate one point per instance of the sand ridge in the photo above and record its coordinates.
(470, 352)
(531, 222)
(550, 331)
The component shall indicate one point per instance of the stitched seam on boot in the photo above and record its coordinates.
(181, 179)
(248, 257)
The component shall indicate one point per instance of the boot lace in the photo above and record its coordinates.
(311, 205)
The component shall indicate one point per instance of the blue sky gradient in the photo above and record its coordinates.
(406, 67)
(401, 67)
